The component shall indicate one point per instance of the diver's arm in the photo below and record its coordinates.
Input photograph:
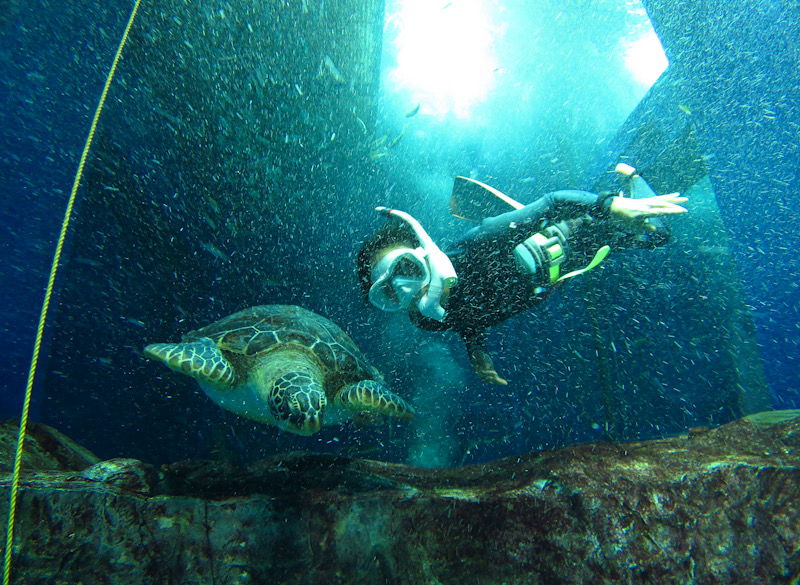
(480, 359)
(555, 206)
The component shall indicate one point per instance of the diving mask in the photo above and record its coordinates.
(402, 274)
(399, 277)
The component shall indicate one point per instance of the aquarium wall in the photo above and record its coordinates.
(734, 70)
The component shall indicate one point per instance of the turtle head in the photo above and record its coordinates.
(296, 401)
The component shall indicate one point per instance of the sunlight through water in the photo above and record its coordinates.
(445, 55)
(645, 59)
(643, 54)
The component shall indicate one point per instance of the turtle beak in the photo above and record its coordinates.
(311, 425)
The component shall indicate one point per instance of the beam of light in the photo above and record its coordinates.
(645, 58)
(445, 56)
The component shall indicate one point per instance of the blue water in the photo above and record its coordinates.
(232, 168)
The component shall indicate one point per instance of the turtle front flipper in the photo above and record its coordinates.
(199, 359)
(369, 397)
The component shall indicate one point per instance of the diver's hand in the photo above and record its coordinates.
(491, 377)
(484, 368)
(628, 208)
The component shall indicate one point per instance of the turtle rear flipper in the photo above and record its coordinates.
(369, 397)
(199, 359)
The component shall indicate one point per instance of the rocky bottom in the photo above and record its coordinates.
(710, 507)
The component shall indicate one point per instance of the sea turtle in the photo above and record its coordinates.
(282, 365)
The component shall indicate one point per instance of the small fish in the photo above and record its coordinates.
(413, 112)
(332, 69)
(685, 109)
(378, 154)
(705, 158)
(394, 142)
(105, 363)
(276, 282)
(88, 262)
(363, 450)
(214, 251)
(210, 200)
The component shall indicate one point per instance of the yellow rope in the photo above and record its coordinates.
(23, 423)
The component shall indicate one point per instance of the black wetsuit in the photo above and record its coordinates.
(491, 289)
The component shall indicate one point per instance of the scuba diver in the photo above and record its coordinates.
(507, 264)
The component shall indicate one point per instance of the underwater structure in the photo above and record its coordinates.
(723, 109)
(713, 506)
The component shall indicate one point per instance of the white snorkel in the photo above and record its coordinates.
(443, 275)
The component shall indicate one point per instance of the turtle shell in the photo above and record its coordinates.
(257, 330)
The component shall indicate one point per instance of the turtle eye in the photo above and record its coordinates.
(279, 402)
